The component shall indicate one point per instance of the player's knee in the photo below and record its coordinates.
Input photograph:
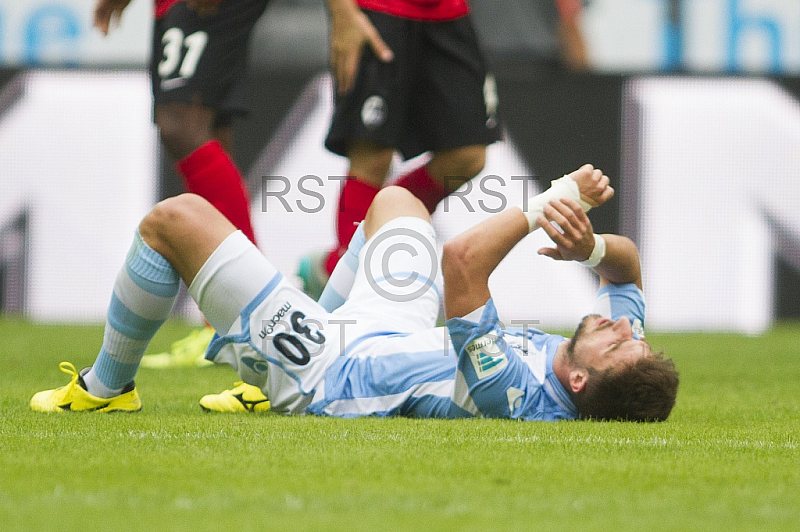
(455, 167)
(400, 201)
(155, 225)
(177, 140)
(179, 131)
(393, 202)
(169, 219)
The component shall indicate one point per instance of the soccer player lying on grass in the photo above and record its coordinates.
(376, 351)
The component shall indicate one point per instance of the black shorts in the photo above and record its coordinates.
(434, 95)
(204, 59)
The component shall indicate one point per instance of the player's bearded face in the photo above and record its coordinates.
(600, 343)
(580, 332)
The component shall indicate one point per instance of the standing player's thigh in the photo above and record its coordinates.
(395, 280)
(375, 109)
(456, 103)
(203, 57)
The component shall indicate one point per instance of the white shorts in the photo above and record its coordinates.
(279, 339)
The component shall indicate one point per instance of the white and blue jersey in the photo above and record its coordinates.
(467, 369)
(472, 367)
(375, 356)
(508, 373)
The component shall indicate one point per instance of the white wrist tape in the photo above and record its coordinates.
(598, 252)
(561, 188)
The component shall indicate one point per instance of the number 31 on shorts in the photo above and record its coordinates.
(174, 43)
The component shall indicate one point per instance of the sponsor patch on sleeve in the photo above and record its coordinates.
(486, 356)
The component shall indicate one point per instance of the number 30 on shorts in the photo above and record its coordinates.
(291, 347)
(174, 43)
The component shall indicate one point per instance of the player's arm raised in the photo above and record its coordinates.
(470, 258)
(350, 31)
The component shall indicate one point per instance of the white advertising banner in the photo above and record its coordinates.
(79, 156)
(717, 176)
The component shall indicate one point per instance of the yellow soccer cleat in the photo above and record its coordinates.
(186, 353)
(74, 398)
(242, 398)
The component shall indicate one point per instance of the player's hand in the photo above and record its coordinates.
(351, 31)
(593, 185)
(575, 241)
(107, 13)
(204, 8)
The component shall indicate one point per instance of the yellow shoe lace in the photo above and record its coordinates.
(69, 369)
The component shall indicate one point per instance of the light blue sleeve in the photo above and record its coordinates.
(491, 370)
(617, 300)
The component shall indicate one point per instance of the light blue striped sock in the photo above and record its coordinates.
(344, 274)
(144, 293)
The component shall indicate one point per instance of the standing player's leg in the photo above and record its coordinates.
(198, 71)
(198, 89)
(187, 132)
(455, 112)
(443, 174)
(367, 171)
(173, 241)
(365, 128)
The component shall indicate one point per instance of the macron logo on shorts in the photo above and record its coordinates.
(486, 357)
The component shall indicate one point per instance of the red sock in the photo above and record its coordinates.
(420, 183)
(354, 201)
(209, 172)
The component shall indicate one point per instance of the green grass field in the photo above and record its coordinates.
(727, 459)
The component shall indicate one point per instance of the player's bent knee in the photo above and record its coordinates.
(173, 217)
(393, 202)
(398, 201)
(392, 193)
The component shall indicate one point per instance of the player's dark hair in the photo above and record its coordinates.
(644, 390)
